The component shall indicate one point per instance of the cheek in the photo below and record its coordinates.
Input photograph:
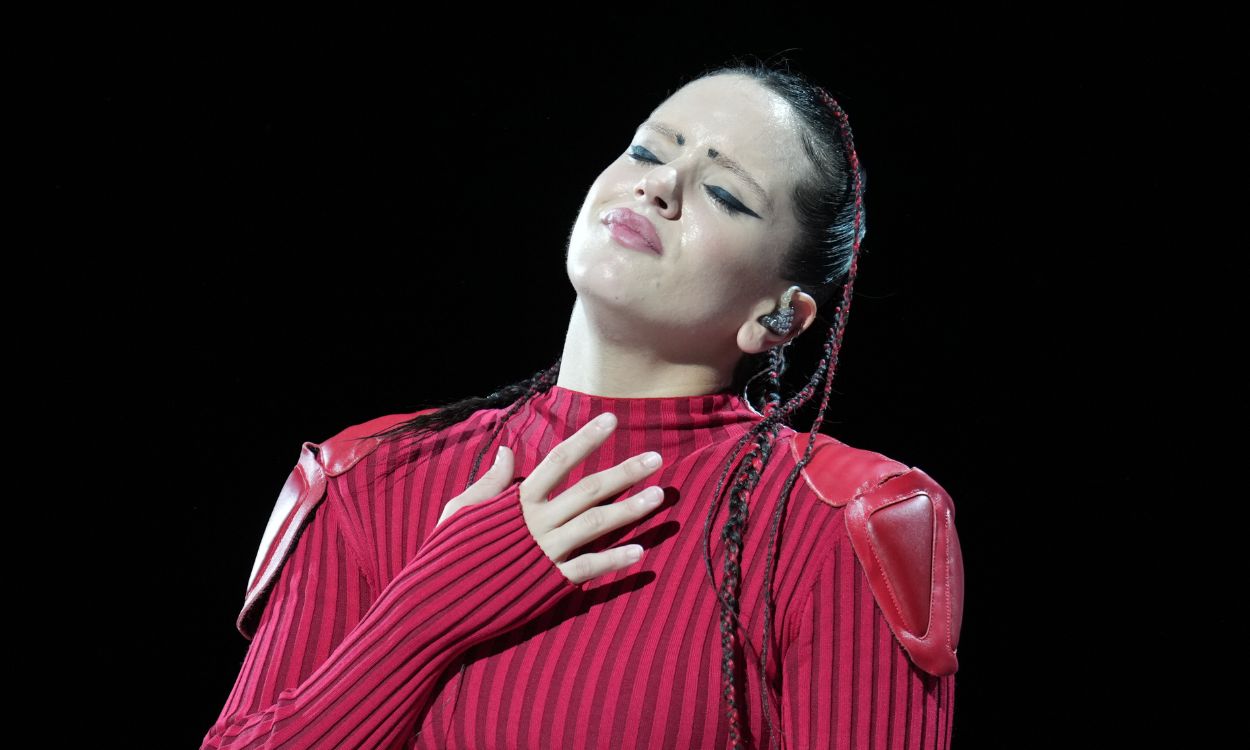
(719, 264)
(720, 246)
(614, 184)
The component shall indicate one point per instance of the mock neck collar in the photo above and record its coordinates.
(685, 422)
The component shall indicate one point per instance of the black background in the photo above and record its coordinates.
(258, 233)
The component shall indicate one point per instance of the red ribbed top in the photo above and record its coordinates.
(384, 632)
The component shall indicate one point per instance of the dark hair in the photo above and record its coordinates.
(828, 203)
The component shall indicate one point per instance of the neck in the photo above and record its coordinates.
(673, 425)
(617, 362)
(679, 428)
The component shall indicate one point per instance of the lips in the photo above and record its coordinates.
(637, 223)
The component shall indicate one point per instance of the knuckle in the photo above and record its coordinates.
(596, 519)
(581, 568)
(592, 485)
(558, 454)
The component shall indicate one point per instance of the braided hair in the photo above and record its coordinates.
(829, 208)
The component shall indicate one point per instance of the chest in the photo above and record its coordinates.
(592, 675)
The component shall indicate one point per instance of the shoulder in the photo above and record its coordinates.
(901, 524)
(303, 491)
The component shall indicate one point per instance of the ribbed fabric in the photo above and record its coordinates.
(365, 634)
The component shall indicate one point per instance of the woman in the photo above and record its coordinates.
(402, 599)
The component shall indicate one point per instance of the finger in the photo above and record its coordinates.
(594, 564)
(504, 464)
(594, 488)
(599, 520)
(557, 464)
(494, 481)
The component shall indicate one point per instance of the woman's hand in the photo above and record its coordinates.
(567, 522)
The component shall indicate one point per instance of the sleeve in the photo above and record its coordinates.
(847, 681)
(480, 574)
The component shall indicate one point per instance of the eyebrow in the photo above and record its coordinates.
(721, 159)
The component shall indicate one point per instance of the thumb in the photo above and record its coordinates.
(493, 482)
(496, 479)
(503, 462)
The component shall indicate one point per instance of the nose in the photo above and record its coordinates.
(661, 188)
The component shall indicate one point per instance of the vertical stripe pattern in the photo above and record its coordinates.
(383, 631)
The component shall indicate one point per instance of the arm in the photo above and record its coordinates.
(479, 574)
(848, 682)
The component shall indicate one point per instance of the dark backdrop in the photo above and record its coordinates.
(268, 235)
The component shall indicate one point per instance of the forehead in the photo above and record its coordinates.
(736, 115)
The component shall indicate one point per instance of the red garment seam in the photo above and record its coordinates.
(349, 535)
(811, 589)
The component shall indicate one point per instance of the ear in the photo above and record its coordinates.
(754, 338)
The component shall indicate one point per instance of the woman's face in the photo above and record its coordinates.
(719, 262)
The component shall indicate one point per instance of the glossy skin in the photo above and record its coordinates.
(647, 325)
(668, 324)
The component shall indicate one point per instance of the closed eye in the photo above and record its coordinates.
(724, 200)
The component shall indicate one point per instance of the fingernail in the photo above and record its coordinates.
(498, 455)
(651, 459)
(652, 496)
(605, 420)
(633, 552)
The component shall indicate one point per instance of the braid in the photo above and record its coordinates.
(844, 309)
(762, 437)
(764, 434)
(539, 383)
(515, 394)
(732, 534)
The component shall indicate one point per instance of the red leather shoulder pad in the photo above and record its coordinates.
(901, 524)
(837, 472)
(304, 489)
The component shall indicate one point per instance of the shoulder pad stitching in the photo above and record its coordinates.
(344, 450)
(872, 547)
(950, 625)
(309, 480)
(824, 442)
(858, 517)
(310, 472)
